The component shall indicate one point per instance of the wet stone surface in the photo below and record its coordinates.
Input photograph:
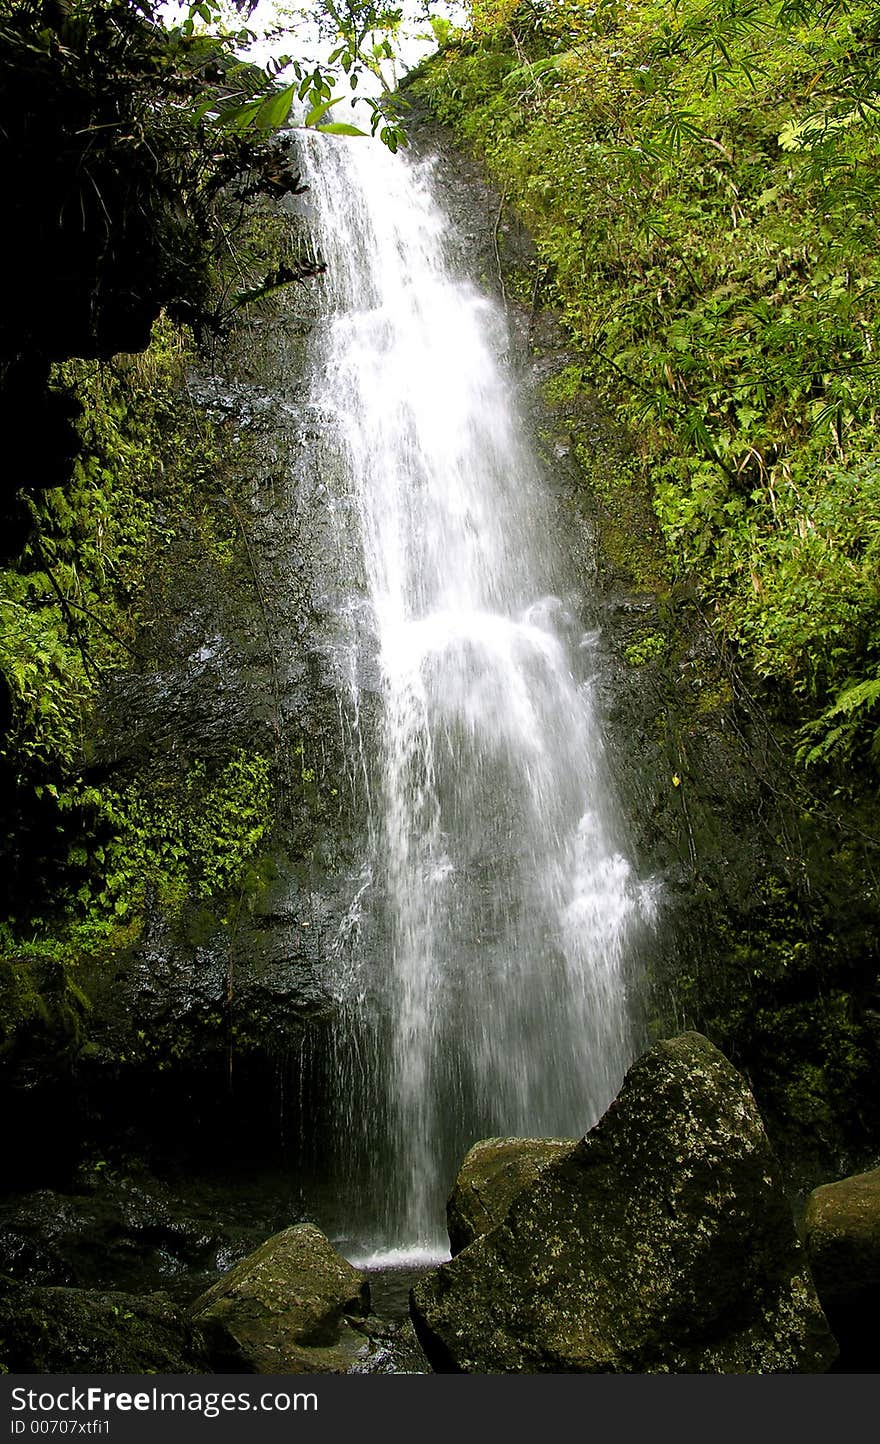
(661, 1243)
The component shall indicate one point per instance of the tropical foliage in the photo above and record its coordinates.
(134, 155)
(70, 612)
(702, 181)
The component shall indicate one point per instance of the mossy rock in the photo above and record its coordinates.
(661, 1243)
(494, 1171)
(285, 1309)
(841, 1229)
(87, 1331)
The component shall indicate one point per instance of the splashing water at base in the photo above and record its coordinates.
(493, 999)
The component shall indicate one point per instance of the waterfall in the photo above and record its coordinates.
(488, 995)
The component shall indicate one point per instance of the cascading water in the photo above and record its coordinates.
(492, 998)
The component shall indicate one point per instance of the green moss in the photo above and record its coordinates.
(647, 648)
(713, 695)
(563, 388)
(630, 540)
(41, 1001)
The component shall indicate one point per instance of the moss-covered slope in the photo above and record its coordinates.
(701, 183)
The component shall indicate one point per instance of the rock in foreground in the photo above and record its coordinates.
(842, 1240)
(661, 1243)
(90, 1331)
(494, 1171)
(285, 1308)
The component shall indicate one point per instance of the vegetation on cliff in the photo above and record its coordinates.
(88, 847)
(701, 181)
(701, 184)
(134, 226)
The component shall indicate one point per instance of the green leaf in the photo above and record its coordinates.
(853, 698)
(274, 112)
(318, 111)
(239, 117)
(206, 107)
(340, 128)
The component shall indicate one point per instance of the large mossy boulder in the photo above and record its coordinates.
(494, 1171)
(660, 1243)
(91, 1331)
(841, 1229)
(286, 1308)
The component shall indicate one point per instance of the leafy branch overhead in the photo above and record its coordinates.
(254, 100)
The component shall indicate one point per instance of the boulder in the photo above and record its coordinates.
(114, 1230)
(841, 1231)
(392, 1349)
(286, 1308)
(89, 1331)
(660, 1243)
(493, 1173)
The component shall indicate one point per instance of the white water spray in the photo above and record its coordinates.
(496, 1001)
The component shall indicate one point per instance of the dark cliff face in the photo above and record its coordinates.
(88, 244)
(115, 196)
(112, 193)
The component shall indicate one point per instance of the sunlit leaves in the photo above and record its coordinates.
(318, 111)
(249, 100)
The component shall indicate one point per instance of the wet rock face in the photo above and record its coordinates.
(74, 1331)
(285, 1309)
(841, 1230)
(391, 1349)
(493, 1173)
(661, 1243)
(135, 1234)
